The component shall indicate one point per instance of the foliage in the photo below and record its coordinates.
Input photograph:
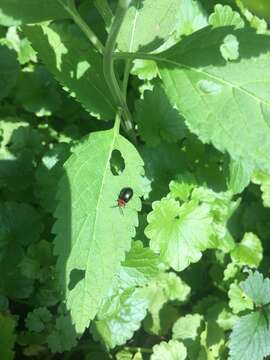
(170, 101)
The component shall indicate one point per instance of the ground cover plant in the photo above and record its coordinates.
(134, 179)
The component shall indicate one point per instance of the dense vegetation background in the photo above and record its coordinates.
(193, 283)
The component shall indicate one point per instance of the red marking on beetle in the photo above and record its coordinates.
(121, 203)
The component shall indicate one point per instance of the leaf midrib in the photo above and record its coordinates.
(97, 206)
(158, 59)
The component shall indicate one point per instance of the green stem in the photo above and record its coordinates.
(108, 68)
(133, 56)
(105, 11)
(126, 77)
(117, 120)
(71, 9)
(138, 349)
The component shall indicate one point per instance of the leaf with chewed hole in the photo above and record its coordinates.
(92, 234)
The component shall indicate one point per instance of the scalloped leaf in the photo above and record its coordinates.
(92, 234)
(172, 350)
(76, 65)
(249, 339)
(121, 316)
(224, 15)
(179, 233)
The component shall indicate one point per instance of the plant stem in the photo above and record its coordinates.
(108, 68)
(71, 9)
(126, 77)
(105, 11)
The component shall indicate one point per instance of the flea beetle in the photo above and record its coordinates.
(124, 196)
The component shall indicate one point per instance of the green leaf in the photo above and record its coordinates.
(172, 350)
(248, 252)
(48, 173)
(22, 46)
(38, 92)
(16, 12)
(20, 223)
(63, 336)
(166, 287)
(157, 119)
(240, 173)
(7, 337)
(238, 299)
(263, 180)
(179, 234)
(9, 69)
(77, 68)
(182, 186)
(230, 48)
(191, 18)
(161, 167)
(140, 266)
(145, 26)
(225, 16)
(257, 288)
(212, 340)
(90, 253)
(38, 319)
(187, 327)
(249, 339)
(256, 22)
(144, 69)
(121, 316)
(234, 115)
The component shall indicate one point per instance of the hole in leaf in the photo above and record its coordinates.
(117, 163)
(75, 277)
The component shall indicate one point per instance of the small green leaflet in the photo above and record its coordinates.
(75, 64)
(17, 12)
(172, 350)
(225, 16)
(92, 235)
(248, 252)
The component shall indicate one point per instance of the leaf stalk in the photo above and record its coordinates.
(92, 37)
(108, 69)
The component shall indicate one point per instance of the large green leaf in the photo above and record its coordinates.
(75, 64)
(17, 12)
(92, 234)
(226, 103)
(148, 24)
